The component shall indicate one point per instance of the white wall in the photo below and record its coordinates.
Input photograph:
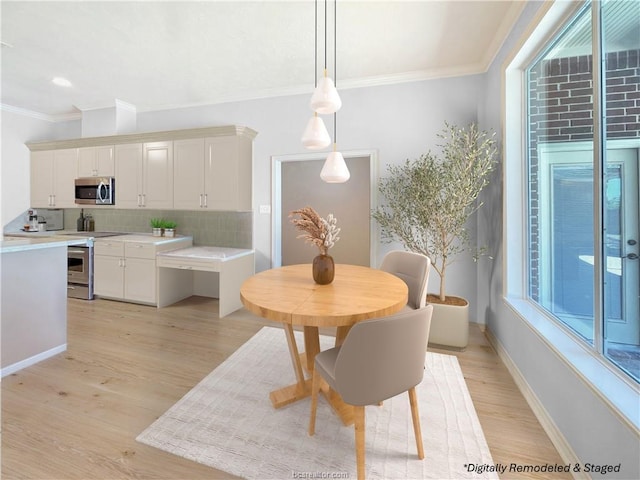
(400, 121)
(18, 129)
(594, 432)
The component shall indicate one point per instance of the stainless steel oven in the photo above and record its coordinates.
(80, 264)
(80, 272)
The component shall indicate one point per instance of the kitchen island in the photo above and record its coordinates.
(33, 308)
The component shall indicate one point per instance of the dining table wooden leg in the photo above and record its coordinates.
(300, 389)
(311, 346)
(341, 334)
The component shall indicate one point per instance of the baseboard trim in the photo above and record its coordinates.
(555, 435)
(27, 362)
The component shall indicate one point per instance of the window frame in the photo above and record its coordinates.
(612, 385)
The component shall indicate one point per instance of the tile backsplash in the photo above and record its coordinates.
(221, 229)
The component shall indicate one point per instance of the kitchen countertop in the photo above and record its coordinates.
(21, 241)
(207, 253)
(142, 238)
(20, 244)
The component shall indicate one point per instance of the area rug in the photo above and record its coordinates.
(227, 422)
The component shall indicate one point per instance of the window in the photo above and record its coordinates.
(582, 180)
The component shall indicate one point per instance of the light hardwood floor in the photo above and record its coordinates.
(76, 415)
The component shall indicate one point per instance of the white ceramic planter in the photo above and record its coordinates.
(157, 232)
(169, 232)
(450, 325)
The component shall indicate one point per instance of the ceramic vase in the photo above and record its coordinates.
(323, 269)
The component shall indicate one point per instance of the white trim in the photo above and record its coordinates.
(40, 116)
(375, 81)
(613, 387)
(276, 200)
(555, 435)
(608, 383)
(27, 362)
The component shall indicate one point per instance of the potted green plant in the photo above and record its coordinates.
(156, 226)
(169, 228)
(428, 202)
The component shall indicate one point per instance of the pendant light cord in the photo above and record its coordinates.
(315, 45)
(325, 37)
(335, 62)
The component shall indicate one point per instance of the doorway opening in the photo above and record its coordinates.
(296, 183)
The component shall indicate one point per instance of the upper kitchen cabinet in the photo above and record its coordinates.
(188, 174)
(96, 161)
(128, 169)
(144, 175)
(198, 168)
(213, 173)
(53, 174)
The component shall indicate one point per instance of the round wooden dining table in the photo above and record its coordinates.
(290, 296)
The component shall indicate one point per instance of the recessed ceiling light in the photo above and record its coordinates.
(61, 82)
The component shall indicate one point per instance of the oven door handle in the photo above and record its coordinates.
(76, 252)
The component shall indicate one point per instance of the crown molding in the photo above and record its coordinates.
(66, 117)
(168, 135)
(375, 81)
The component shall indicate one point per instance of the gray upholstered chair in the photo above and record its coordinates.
(379, 359)
(413, 268)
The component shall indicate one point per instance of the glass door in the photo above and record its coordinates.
(567, 249)
(622, 303)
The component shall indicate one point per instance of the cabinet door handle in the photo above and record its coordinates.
(53, 200)
(200, 200)
(144, 199)
(206, 200)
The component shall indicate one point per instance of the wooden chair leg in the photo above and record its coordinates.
(315, 389)
(413, 400)
(358, 420)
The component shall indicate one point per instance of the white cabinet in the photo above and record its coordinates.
(96, 161)
(194, 169)
(108, 270)
(157, 175)
(126, 270)
(53, 174)
(213, 173)
(188, 174)
(144, 175)
(128, 175)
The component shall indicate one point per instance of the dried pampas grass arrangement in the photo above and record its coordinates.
(323, 233)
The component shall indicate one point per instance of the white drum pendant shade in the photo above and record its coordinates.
(325, 99)
(335, 169)
(315, 136)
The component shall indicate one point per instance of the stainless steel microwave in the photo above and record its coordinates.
(96, 191)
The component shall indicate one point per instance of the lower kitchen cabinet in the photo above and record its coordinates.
(108, 276)
(125, 266)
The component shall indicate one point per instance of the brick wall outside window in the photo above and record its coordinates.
(561, 110)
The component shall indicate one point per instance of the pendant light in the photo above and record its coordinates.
(316, 136)
(325, 99)
(335, 169)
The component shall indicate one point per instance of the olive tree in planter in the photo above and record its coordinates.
(428, 202)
